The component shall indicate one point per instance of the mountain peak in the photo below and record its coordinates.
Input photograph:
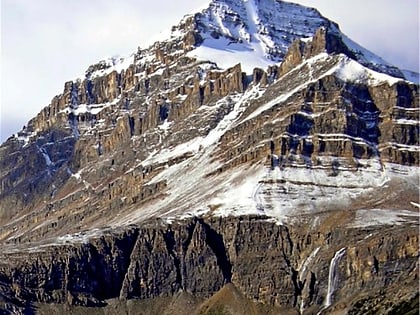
(157, 171)
(258, 34)
(254, 33)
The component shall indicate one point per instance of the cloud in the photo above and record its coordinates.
(388, 28)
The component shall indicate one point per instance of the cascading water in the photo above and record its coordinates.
(332, 277)
(306, 263)
(302, 273)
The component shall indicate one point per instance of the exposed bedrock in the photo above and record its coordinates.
(271, 264)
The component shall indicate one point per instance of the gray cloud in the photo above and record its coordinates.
(47, 42)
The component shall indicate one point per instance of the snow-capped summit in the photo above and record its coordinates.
(254, 33)
(258, 33)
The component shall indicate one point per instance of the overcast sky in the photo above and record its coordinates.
(45, 43)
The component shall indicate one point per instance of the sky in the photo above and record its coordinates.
(45, 43)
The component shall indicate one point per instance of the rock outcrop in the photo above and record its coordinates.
(276, 266)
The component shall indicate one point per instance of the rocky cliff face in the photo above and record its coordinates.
(288, 185)
(270, 264)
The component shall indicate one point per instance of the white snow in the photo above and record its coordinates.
(167, 154)
(414, 109)
(284, 97)
(281, 194)
(239, 193)
(189, 191)
(406, 122)
(47, 158)
(165, 125)
(403, 147)
(79, 237)
(25, 138)
(93, 109)
(346, 69)
(288, 193)
(226, 54)
(77, 175)
(115, 63)
(352, 71)
(252, 34)
(252, 189)
(373, 217)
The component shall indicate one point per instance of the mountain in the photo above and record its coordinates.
(256, 160)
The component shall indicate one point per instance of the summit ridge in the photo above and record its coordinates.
(255, 33)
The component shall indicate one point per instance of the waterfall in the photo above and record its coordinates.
(308, 260)
(302, 273)
(332, 276)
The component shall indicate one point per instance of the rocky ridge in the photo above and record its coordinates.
(167, 133)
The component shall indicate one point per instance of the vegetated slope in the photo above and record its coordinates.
(138, 175)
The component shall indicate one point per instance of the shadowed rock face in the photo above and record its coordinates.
(267, 262)
(175, 181)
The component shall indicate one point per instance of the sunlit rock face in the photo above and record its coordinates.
(257, 153)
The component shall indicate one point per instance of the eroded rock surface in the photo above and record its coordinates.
(284, 267)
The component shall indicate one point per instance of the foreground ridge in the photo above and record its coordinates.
(225, 254)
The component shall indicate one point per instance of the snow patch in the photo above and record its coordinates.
(352, 71)
(406, 122)
(165, 125)
(77, 175)
(226, 54)
(166, 155)
(255, 35)
(25, 138)
(374, 217)
(93, 109)
(47, 158)
(115, 63)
